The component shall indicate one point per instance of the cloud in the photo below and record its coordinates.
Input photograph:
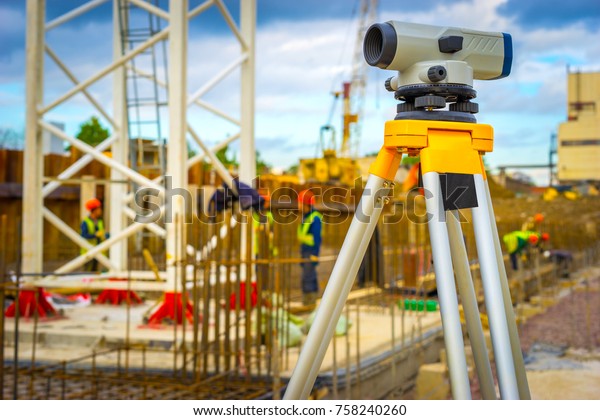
(304, 51)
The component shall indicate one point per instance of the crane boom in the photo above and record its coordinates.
(358, 80)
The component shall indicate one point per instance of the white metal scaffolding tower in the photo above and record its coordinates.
(178, 18)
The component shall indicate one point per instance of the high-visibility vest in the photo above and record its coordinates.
(256, 228)
(93, 228)
(517, 240)
(304, 237)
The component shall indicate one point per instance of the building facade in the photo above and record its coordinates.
(579, 137)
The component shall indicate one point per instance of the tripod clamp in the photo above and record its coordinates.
(420, 100)
(444, 146)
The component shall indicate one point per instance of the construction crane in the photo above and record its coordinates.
(338, 165)
(358, 82)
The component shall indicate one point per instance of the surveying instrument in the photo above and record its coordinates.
(435, 121)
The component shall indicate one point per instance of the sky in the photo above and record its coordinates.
(304, 51)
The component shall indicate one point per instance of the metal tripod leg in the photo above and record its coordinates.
(340, 282)
(515, 343)
(469, 302)
(494, 301)
(444, 277)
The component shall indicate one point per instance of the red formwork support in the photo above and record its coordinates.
(118, 296)
(172, 310)
(31, 302)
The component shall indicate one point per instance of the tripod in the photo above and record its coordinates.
(450, 145)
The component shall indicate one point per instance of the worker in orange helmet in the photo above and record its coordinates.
(92, 229)
(533, 239)
(309, 237)
(517, 242)
(533, 223)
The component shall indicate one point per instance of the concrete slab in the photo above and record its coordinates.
(566, 384)
(433, 382)
(96, 327)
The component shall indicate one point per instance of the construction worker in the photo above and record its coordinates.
(563, 260)
(309, 237)
(92, 229)
(262, 224)
(262, 238)
(533, 223)
(518, 241)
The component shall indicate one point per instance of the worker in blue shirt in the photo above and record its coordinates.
(309, 237)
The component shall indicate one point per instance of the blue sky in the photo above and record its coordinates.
(304, 51)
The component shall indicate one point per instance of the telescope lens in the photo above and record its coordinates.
(379, 46)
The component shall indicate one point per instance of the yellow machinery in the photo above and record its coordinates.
(333, 168)
(337, 166)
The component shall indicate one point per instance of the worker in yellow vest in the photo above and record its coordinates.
(309, 237)
(519, 241)
(92, 229)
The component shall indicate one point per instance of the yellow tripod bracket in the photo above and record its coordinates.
(444, 146)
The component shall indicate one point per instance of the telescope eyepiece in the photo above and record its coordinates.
(379, 46)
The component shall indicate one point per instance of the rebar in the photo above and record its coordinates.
(17, 310)
(3, 243)
(235, 345)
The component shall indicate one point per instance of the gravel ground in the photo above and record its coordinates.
(572, 323)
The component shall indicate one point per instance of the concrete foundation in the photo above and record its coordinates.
(433, 382)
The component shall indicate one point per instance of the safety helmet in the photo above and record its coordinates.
(533, 239)
(538, 218)
(545, 236)
(306, 197)
(92, 203)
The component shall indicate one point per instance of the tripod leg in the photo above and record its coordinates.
(442, 263)
(515, 343)
(469, 302)
(340, 282)
(494, 302)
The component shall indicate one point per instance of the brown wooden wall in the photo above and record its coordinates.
(64, 202)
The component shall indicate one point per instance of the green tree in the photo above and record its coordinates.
(261, 165)
(92, 132)
(230, 161)
(223, 156)
(190, 151)
(11, 139)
